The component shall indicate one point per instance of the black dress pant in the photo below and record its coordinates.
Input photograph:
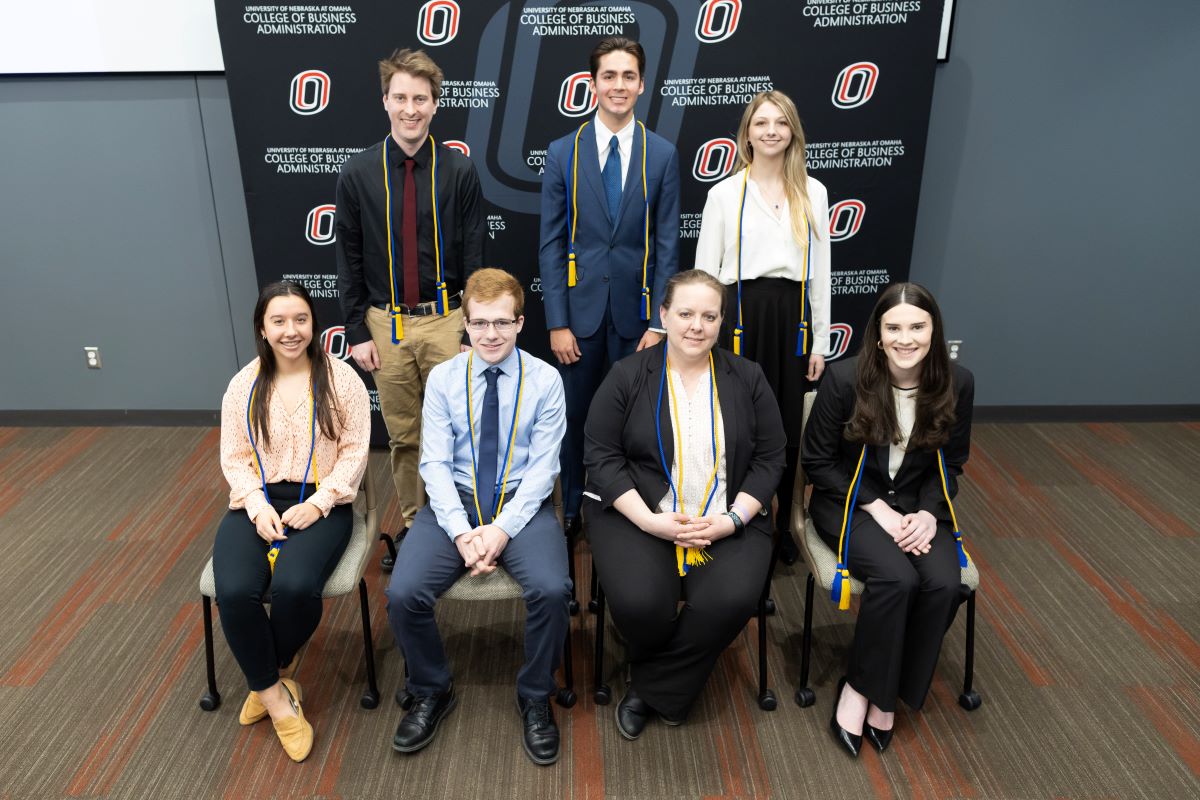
(673, 650)
(909, 602)
(263, 643)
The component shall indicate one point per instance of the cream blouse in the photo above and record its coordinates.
(340, 463)
(696, 420)
(906, 415)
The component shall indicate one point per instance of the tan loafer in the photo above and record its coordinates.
(253, 709)
(295, 733)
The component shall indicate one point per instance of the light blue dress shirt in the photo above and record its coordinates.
(446, 446)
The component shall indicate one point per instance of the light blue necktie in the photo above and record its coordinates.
(612, 179)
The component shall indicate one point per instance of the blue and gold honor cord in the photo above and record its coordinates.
(802, 333)
(573, 219)
(273, 552)
(501, 482)
(687, 557)
(442, 298)
(840, 592)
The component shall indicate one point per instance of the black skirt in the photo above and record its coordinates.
(770, 325)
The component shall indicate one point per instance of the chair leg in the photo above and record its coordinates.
(572, 604)
(602, 695)
(593, 603)
(566, 695)
(970, 699)
(389, 561)
(370, 698)
(766, 697)
(805, 696)
(211, 699)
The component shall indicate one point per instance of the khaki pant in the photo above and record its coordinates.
(404, 369)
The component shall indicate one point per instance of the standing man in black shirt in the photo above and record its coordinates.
(409, 233)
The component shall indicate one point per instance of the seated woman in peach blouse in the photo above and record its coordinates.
(295, 430)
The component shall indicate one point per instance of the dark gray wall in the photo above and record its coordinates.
(1055, 227)
(1058, 209)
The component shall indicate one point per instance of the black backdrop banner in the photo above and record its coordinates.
(305, 96)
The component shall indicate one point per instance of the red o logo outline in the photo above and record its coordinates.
(839, 340)
(845, 219)
(724, 149)
(319, 228)
(459, 145)
(706, 20)
(333, 342)
(319, 82)
(569, 104)
(444, 11)
(855, 84)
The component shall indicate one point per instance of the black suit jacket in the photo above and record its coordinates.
(621, 446)
(829, 459)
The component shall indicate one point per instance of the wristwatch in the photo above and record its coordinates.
(738, 525)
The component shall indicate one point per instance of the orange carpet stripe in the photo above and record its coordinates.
(759, 779)
(586, 753)
(1001, 597)
(941, 766)
(880, 785)
(1163, 717)
(1110, 432)
(7, 435)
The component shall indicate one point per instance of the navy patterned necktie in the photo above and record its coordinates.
(612, 179)
(489, 446)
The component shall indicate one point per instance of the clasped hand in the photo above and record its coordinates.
(689, 531)
(913, 533)
(270, 525)
(481, 547)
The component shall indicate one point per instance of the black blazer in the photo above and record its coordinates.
(621, 447)
(830, 460)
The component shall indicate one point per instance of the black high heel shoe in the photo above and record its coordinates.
(878, 737)
(852, 742)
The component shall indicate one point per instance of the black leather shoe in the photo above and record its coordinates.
(852, 742)
(421, 722)
(541, 731)
(632, 713)
(878, 737)
(674, 722)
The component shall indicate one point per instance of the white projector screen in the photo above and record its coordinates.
(45, 36)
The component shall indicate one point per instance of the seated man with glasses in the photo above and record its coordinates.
(493, 420)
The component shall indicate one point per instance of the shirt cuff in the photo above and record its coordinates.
(662, 331)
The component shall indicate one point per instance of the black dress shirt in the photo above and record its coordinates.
(362, 247)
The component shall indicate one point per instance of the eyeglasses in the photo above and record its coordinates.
(501, 325)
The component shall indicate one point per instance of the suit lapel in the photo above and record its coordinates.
(654, 380)
(589, 169)
(731, 413)
(883, 455)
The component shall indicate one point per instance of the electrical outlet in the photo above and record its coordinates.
(955, 346)
(92, 354)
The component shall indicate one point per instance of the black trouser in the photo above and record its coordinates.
(909, 602)
(261, 643)
(672, 651)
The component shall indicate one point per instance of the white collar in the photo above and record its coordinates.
(604, 136)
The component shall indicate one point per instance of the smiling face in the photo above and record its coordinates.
(287, 327)
(410, 107)
(905, 334)
(693, 320)
(769, 132)
(492, 344)
(617, 84)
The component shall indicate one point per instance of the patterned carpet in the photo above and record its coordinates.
(1087, 651)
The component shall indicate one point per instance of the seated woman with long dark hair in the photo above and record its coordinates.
(888, 436)
(295, 430)
(684, 448)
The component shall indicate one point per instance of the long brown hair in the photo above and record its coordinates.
(795, 169)
(324, 399)
(874, 419)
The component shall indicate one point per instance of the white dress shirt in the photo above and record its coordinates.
(906, 415)
(624, 144)
(769, 249)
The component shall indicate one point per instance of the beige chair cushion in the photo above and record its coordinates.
(498, 585)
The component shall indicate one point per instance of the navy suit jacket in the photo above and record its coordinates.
(608, 257)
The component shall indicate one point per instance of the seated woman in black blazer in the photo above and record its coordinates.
(880, 425)
(684, 448)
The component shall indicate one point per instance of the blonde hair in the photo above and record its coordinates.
(415, 63)
(488, 284)
(795, 171)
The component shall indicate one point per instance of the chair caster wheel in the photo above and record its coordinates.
(370, 699)
(805, 697)
(566, 698)
(593, 606)
(387, 563)
(770, 606)
(210, 701)
(573, 607)
(970, 700)
(404, 699)
(767, 701)
(602, 696)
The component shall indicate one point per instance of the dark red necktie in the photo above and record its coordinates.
(408, 227)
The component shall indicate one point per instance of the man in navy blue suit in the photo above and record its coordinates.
(609, 241)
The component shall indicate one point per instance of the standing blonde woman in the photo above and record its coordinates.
(765, 237)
